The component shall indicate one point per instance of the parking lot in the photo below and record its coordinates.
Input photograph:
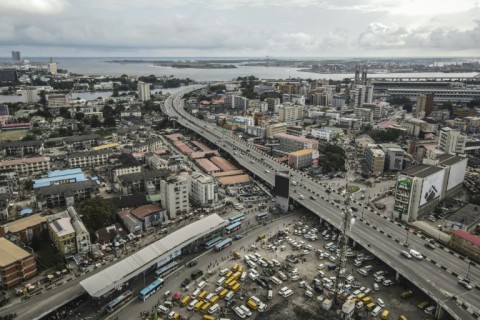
(297, 262)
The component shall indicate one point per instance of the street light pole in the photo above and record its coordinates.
(406, 241)
(468, 268)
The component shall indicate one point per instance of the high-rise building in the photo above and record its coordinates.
(174, 195)
(30, 95)
(290, 113)
(235, 102)
(272, 102)
(16, 56)
(424, 105)
(451, 141)
(202, 189)
(143, 91)
(281, 191)
(361, 94)
(52, 68)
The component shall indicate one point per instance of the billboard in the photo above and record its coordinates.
(432, 186)
(402, 194)
(282, 184)
(315, 155)
(457, 174)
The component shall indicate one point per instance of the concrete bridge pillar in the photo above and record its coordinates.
(439, 312)
(397, 276)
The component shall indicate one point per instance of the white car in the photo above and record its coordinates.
(321, 266)
(381, 303)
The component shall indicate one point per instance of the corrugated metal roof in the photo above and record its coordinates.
(115, 275)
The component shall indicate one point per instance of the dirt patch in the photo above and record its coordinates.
(291, 309)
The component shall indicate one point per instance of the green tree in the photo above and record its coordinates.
(64, 113)
(97, 213)
(79, 116)
(109, 122)
(95, 122)
(473, 103)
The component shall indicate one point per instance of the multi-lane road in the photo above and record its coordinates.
(437, 275)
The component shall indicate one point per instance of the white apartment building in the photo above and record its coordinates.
(143, 91)
(202, 189)
(361, 94)
(174, 196)
(235, 102)
(451, 141)
(30, 95)
(322, 134)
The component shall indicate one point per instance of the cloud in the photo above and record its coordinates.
(380, 36)
(32, 6)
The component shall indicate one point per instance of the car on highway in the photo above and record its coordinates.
(465, 284)
(430, 246)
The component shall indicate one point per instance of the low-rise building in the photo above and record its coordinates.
(27, 166)
(26, 229)
(202, 189)
(146, 181)
(88, 159)
(16, 264)
(302, 158)
(289, 143)
(375, 159)
(125, 164)
(395, 157)
(21, 148)
(65, 194)
(276, 128)
(322, 134)
(82, 142)
(465, 243)
(150, 215)
(68, 232)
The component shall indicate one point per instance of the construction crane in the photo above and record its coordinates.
(342, 245)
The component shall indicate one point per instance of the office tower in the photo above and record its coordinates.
(16, 56)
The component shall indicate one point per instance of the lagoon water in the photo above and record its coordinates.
(100, 66)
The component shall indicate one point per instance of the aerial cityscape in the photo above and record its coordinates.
(239, 160)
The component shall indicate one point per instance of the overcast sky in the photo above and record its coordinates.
(235, 28)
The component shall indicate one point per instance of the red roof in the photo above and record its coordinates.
(207, 165)
(467, 236)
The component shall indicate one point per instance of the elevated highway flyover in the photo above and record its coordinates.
(437, 275)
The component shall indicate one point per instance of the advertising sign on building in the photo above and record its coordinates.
(432, 187)
(457, 174)
(307, 145)
(315, 155)
(402, 194)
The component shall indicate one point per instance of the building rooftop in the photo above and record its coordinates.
(303, 152)
(66, 189)
(106, 146)
(7, 163)
(238, 179)
(449, 159)
(146, 210)
(19, 143)
(422, 170)
(59, 179)
(87, 153)
(202, 154)
(10, 253)
(207, 165)
(223, 164)
(24, 223)
(291, 137)
(201, 146)
(62, 227)
(81, 138)
(473, 239)
(143, 259)
(227, 173)
(129, 201)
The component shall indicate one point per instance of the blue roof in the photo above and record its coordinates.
(45, 182)
(65, 172)
(26, 211)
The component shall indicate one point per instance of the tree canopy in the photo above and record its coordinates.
(97, 213)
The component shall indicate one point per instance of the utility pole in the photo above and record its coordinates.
(342, 245)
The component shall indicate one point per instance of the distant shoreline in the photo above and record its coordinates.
(182, 65)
